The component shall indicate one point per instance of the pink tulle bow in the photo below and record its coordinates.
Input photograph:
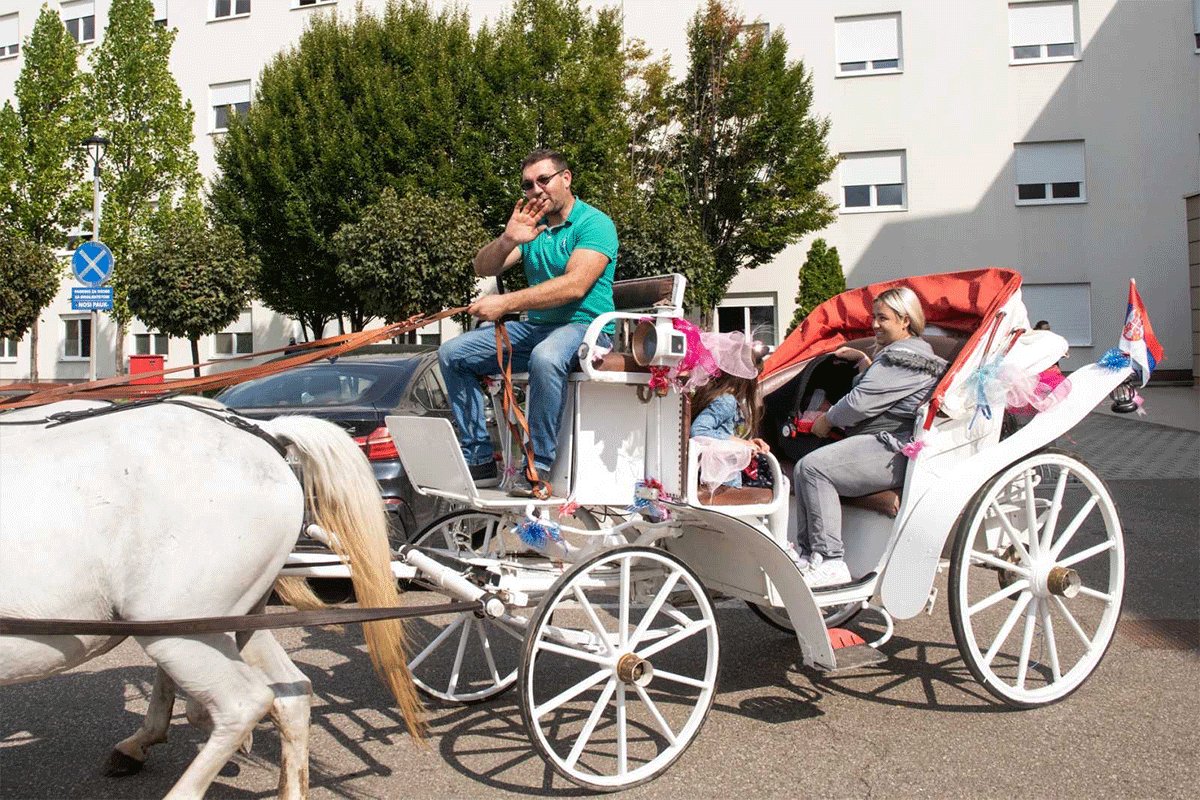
(913, 448)
(1028, 395)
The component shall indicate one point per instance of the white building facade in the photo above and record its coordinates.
(1056, 137)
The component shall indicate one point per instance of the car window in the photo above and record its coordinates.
(327, 386)
(428, 391)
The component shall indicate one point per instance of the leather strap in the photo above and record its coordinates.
(14, 626)
(513, 415)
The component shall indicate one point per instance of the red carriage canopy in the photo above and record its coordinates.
(956, 301)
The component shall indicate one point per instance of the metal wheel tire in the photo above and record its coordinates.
(1033, 631)
(778, 617)
(463, 658)
(620, 668)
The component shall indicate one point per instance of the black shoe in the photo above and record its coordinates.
(485, 475)
(521, 487)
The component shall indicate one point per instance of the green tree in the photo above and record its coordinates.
(660, 240)
(749, 157)
(29, 279)
(410, 255)
(42, 192)
(821, 278)
(149, 164)
(190, 279)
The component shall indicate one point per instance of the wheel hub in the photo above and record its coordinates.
(633, 669)
(1063, 581)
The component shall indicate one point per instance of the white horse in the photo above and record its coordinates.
(164, 512)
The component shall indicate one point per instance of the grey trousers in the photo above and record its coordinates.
(853, 467)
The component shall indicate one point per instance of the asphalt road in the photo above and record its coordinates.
(916, 726)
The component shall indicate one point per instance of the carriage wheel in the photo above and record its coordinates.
(1036, 579)
(462, 658)
(620, 668)
(833, 616)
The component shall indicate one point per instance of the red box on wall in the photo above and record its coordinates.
(139, 365)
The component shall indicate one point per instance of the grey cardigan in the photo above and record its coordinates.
(885, 397)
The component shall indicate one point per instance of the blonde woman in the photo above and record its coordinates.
(877, 416)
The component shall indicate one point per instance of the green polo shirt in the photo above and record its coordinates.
(587, 228)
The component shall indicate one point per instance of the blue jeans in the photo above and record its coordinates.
(546, 352)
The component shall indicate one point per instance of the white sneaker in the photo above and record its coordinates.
(826, 572)
(800, 561)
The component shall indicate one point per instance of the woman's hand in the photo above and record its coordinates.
(757, 445)
(861, 360)
(821, 427)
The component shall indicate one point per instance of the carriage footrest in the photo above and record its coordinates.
(855, 657)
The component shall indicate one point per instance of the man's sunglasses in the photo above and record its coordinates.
(542, 181)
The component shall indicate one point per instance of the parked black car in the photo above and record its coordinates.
(357, 392)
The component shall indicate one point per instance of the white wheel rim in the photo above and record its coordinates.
(460, 657)
(1032, 644)
(598, 728)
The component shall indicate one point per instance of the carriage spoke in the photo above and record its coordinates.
(1051, 523)
(1027, 643)
(1066, 612)
(676, 678)
(652, 610)
(991, 600)
(999, 563)
(1084, 555)
(1006, 628)
(1074, 526)
(510, 630)
(1013, 536)
(623, 618)
(458, 656)
(429, 648)
(571, 652)
(487, 653)
(570, 694)
(622, 733)
(590, 725)
(1051, 645)
(654, 712)
(676, 637)
(590, 610)
(1089, 592)
(1031, 517)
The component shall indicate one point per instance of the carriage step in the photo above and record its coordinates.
(855, 657)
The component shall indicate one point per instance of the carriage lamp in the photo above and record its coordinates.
(1124, 397)
(656, 343)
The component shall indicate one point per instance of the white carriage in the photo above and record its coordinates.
(609, 630)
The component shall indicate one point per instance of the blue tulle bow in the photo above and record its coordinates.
(1113, 360)
(536, 533)
(985, 381)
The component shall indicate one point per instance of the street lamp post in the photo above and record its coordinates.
(96, 145)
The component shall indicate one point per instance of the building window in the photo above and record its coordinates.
(227, 99)
(1066, 306)
(752, 315)
(225, 9)
(10, 36)
(1049, 173)
(77, 338)
(873, 181)
(80, 18)
(1196, 22)
(237, 339)
(1041, 32)
(307, 3)
(150, 344)
(160, 13)
(8, 349)
(868, 45)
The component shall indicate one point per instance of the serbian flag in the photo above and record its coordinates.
(1137, 338)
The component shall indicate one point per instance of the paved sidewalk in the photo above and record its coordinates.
(1172, 406)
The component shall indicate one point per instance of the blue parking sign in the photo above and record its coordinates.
(92, 263)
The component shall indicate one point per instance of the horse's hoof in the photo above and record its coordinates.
(121, 765)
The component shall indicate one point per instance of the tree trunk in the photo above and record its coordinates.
(33, 351)
(195, 340)
(119, 350)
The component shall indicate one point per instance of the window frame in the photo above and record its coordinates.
(839, 70)
(1043, 57)
(79, 319)
(155, 339)
(214, 110)
(5, 343)
(747, 301)
(1049, 199)
(298, 5)
(233, 12)
(11, 49)
(1086, 286)
(161, 21)
(242, 326)
(874, 207)
(63, 10)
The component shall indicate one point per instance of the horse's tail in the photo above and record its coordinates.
(343, 498)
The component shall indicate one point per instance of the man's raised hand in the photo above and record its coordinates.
(523, 225)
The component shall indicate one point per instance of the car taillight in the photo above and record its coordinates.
(378, 445)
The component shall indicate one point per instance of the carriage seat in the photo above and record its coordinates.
(736, 496)
(886, 502)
